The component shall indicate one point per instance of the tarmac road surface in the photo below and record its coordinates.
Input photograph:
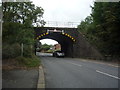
(79, 73)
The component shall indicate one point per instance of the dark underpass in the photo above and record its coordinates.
(65, 42)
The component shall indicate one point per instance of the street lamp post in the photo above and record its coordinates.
(1, 44)
(1, 15)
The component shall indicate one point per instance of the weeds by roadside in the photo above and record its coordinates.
(21, 63)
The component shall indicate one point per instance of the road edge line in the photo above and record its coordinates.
(99, 62)
(41, 78)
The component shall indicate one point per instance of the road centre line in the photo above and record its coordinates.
(75, 64)
(108, 74)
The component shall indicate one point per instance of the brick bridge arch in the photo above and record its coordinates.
(72, 42)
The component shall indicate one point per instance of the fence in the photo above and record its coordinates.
(61, 24)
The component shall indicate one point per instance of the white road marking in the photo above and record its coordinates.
(75, 64)
(108, 74)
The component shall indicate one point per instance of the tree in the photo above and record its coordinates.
(45, 47)
(18, 22)
(106, 18)
(102, 27)
(86, 27)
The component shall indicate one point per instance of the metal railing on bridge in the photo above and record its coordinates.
(61, 24)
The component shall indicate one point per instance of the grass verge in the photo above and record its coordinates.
(34, 61)
(22, 63)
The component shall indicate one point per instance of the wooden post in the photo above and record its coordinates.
(31, 49)
(22, 49)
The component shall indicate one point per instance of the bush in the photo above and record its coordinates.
(10, 51)
(27, 51)
(28, 62)
(14, 50)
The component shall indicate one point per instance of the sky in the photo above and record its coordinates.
(64, 11)
(48, 41)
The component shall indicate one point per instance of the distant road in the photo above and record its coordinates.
(78, 73)
(44, 54)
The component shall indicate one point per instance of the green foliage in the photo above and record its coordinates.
(87, 29)
(50, 51)
(45, 47)
(102, 27)
(22, 12)
(11, 32)
(11, 51)
(27, 50)
(107, 21)
(26, 36)
(18, 21)
(28, 62)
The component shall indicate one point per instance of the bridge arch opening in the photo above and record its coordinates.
(65, 40)
(48, 41)
(53, 45)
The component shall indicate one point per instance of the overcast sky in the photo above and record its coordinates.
(48, 41)
(64, 11)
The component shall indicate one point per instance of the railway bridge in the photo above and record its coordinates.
(72, 42)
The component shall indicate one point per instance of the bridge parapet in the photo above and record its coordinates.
(41, 30)
(62, 24)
